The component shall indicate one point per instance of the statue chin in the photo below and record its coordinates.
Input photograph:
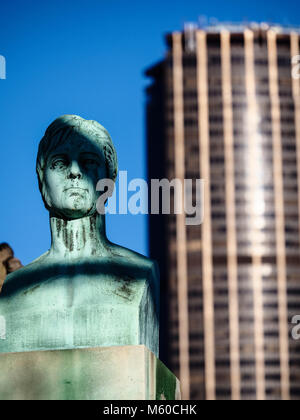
(72, 208)
(71, 213)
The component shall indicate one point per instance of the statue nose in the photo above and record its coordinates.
(75, 171)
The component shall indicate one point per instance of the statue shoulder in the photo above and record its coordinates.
(136, 259)
(24, 273)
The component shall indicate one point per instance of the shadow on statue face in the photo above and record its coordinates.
(71, 175)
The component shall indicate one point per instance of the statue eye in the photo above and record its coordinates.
(59, 163)
(90, 162)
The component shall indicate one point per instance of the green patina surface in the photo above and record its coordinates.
(166, 382)
(85, 291)
(91, 304)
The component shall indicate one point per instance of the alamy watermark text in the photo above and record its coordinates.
(296, 329)
(296, 67)
(2, 67)
(2, 328)
(154, 199)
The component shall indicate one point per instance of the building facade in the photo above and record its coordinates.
(224, 106)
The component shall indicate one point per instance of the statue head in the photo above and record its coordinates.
(5, 252)
(73, 156)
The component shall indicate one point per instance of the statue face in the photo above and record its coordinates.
(70, 178)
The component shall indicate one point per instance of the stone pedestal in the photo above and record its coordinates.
(101, 373)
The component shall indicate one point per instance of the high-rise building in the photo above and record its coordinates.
(224, 106)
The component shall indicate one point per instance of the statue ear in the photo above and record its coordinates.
(111, 162)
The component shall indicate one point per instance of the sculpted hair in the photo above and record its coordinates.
(5, 246)
(60, 131)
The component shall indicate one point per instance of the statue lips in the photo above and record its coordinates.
(75, 191)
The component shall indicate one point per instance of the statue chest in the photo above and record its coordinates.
(80, 310)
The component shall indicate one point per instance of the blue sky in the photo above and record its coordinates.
(87, 58)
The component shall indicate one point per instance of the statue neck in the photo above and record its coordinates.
(80, 238)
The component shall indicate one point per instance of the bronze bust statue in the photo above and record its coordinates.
(85, 291)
